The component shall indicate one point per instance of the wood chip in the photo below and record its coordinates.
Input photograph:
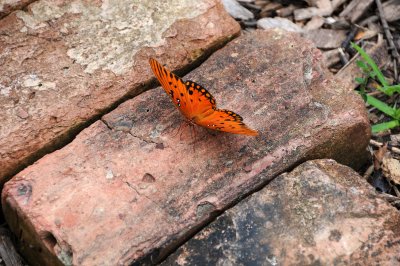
(356, 9)
(261, 3)
(325, 38)
(281, 23)
(331, 57)
(286, 11)
(379, 155)
(314, 23)
(391, 9)
(391, 169)
(337, 3)
(269, 9)
(395, 140)
(337, 23)
(7, 250)
(323, 8)
(365, 34)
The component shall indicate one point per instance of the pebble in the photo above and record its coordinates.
(236, 10)
(281, 23)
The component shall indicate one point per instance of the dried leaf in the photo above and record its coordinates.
(378, 156)
(391, 169)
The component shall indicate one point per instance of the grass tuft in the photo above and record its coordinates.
(371, 72)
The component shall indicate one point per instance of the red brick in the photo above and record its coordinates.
(64, 63)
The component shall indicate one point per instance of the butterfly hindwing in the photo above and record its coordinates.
(201, 102)
(227, 121)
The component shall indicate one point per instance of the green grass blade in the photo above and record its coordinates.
(360, 80)
(385, 126)
(381, 106)
(362, 65)
(392, 88)
(372, 64)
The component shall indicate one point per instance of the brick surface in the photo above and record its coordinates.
(320, 213)
(133, 186)
(7, 6)
(64, 63)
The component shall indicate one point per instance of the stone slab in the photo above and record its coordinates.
(65, 63)
(321, 213)
(136, 184)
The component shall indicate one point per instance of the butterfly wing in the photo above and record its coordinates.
(227, 121)
(190, 98)
(197, 104)
(201, 102)
(173, 86)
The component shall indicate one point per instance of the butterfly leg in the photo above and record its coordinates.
(193, 135)
(179, 129)
(185, 124)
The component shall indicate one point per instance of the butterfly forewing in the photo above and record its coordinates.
(227, 121)
(173, 86)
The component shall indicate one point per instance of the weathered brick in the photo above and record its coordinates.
(64, 63)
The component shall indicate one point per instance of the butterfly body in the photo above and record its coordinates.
(197, 104)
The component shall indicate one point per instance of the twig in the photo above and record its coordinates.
(389, 37)
(396, 190)
(368, 172)
(393, 200)
(379, 144)
(343, 59)
(371, 19)
(375, 93)
(350, 36)
(388, 197)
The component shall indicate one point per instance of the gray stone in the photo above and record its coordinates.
(236, 10)
(321, 213)
(281, 23)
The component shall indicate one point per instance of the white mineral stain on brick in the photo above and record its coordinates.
(108, 36)
(3, 3)
(34, 82)
(5, 90)
(308, 71)
(109, 174)
(31, 81)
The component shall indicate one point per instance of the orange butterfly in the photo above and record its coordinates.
(197, 104)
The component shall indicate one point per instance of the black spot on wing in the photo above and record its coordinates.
(190, 85)
(234, 116)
